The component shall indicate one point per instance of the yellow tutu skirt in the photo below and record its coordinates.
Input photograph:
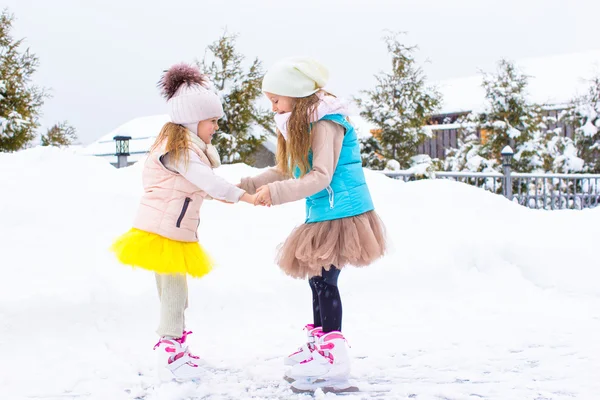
(162, 255)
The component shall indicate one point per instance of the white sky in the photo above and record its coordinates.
(102, 59)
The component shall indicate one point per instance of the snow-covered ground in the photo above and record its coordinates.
(479, 298)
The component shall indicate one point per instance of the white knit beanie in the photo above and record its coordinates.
(190, 98)
(295, 77)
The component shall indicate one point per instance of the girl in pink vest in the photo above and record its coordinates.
(177, 178)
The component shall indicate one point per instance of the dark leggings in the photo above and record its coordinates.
(327, 305)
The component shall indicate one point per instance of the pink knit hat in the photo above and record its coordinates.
(190, 98)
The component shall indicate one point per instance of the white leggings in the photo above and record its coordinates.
(173, 296)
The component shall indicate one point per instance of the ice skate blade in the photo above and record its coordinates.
(326, 385)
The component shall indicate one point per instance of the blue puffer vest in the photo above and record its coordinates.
(347, 195)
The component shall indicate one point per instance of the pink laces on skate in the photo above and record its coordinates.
(178, 356)
(171, 347)
(186, 350)
(324, 348)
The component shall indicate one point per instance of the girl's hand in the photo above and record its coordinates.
(263, 196)
(248, 198)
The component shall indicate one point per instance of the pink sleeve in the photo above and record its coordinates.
(250, 184)
(326, 144)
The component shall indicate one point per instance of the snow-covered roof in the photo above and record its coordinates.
(553, 80)
(143, 132)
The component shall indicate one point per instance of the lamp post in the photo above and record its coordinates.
(122, 152)
(507, 156)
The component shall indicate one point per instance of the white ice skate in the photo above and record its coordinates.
(304, 352)
(174, 360)
(328, 368)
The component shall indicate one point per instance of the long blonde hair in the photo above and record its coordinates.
(293, 152)
(177, 142)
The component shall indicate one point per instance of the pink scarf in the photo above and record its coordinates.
(328, 105)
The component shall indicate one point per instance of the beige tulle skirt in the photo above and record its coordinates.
(356, 241)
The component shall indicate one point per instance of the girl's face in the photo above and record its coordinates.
(207, 129)
(281, 104)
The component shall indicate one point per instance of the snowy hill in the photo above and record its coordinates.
(479, 299)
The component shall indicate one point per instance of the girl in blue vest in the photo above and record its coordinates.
(318, 159)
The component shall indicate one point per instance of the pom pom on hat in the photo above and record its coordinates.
(295, 77)
(188, 94)
(178, 75)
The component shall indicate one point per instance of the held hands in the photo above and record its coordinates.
(248, 198)
(263, 197)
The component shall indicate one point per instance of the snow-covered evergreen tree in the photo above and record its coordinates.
(424, 167)
(508, 119)
(60, 134)
(467, 156)
(399, 106)
(564, 155)
(370, 151)
(585, 116)
(20, 100)
(241, 130)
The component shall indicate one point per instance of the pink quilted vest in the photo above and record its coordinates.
(170, 206)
